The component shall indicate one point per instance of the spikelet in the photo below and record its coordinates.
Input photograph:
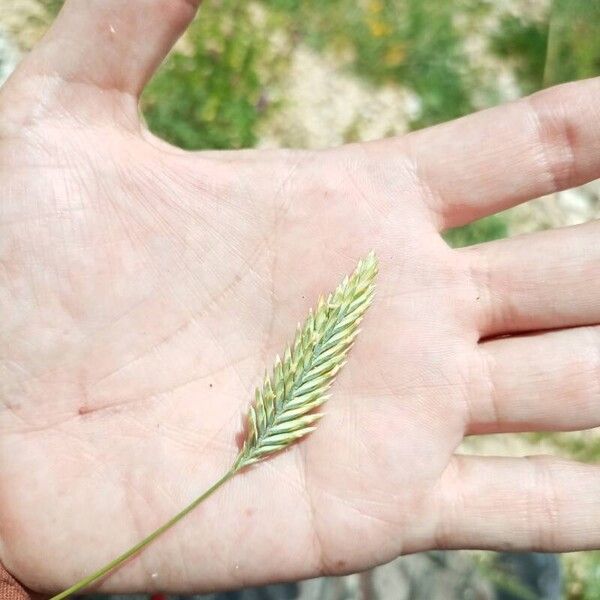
(285, 406)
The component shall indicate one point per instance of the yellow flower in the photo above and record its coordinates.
(379, 28)
(375, 6)
(395, 55)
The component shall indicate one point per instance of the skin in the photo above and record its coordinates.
(144, 289)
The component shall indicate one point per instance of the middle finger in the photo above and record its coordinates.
(544, 280)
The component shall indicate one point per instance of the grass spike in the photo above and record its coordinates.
(311, 362)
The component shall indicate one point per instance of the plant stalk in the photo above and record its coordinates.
(147, 540)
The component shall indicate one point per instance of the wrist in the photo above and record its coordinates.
(10, 588)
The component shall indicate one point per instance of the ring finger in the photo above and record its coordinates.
(543, 382)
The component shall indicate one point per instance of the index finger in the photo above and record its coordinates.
(494, 159)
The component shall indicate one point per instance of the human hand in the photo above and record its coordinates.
(145, 289)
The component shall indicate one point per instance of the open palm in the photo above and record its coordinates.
(144, 290)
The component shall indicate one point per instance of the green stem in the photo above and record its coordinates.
(140, 545)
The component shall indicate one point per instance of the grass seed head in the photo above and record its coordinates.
(285, 406)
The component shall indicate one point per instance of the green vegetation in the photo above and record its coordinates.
(484, 230)
(412, 42)
(543, 53)
(582, 575)
(523, 43)
(212, 92)
(574, 43)
(215, 90)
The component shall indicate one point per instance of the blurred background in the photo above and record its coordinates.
(314, 73)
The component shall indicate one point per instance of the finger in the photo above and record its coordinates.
(111, 44)
(542, 382)
(500, 157)
(535, 503)
(544, 280)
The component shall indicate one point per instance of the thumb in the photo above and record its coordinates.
(111, 44)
